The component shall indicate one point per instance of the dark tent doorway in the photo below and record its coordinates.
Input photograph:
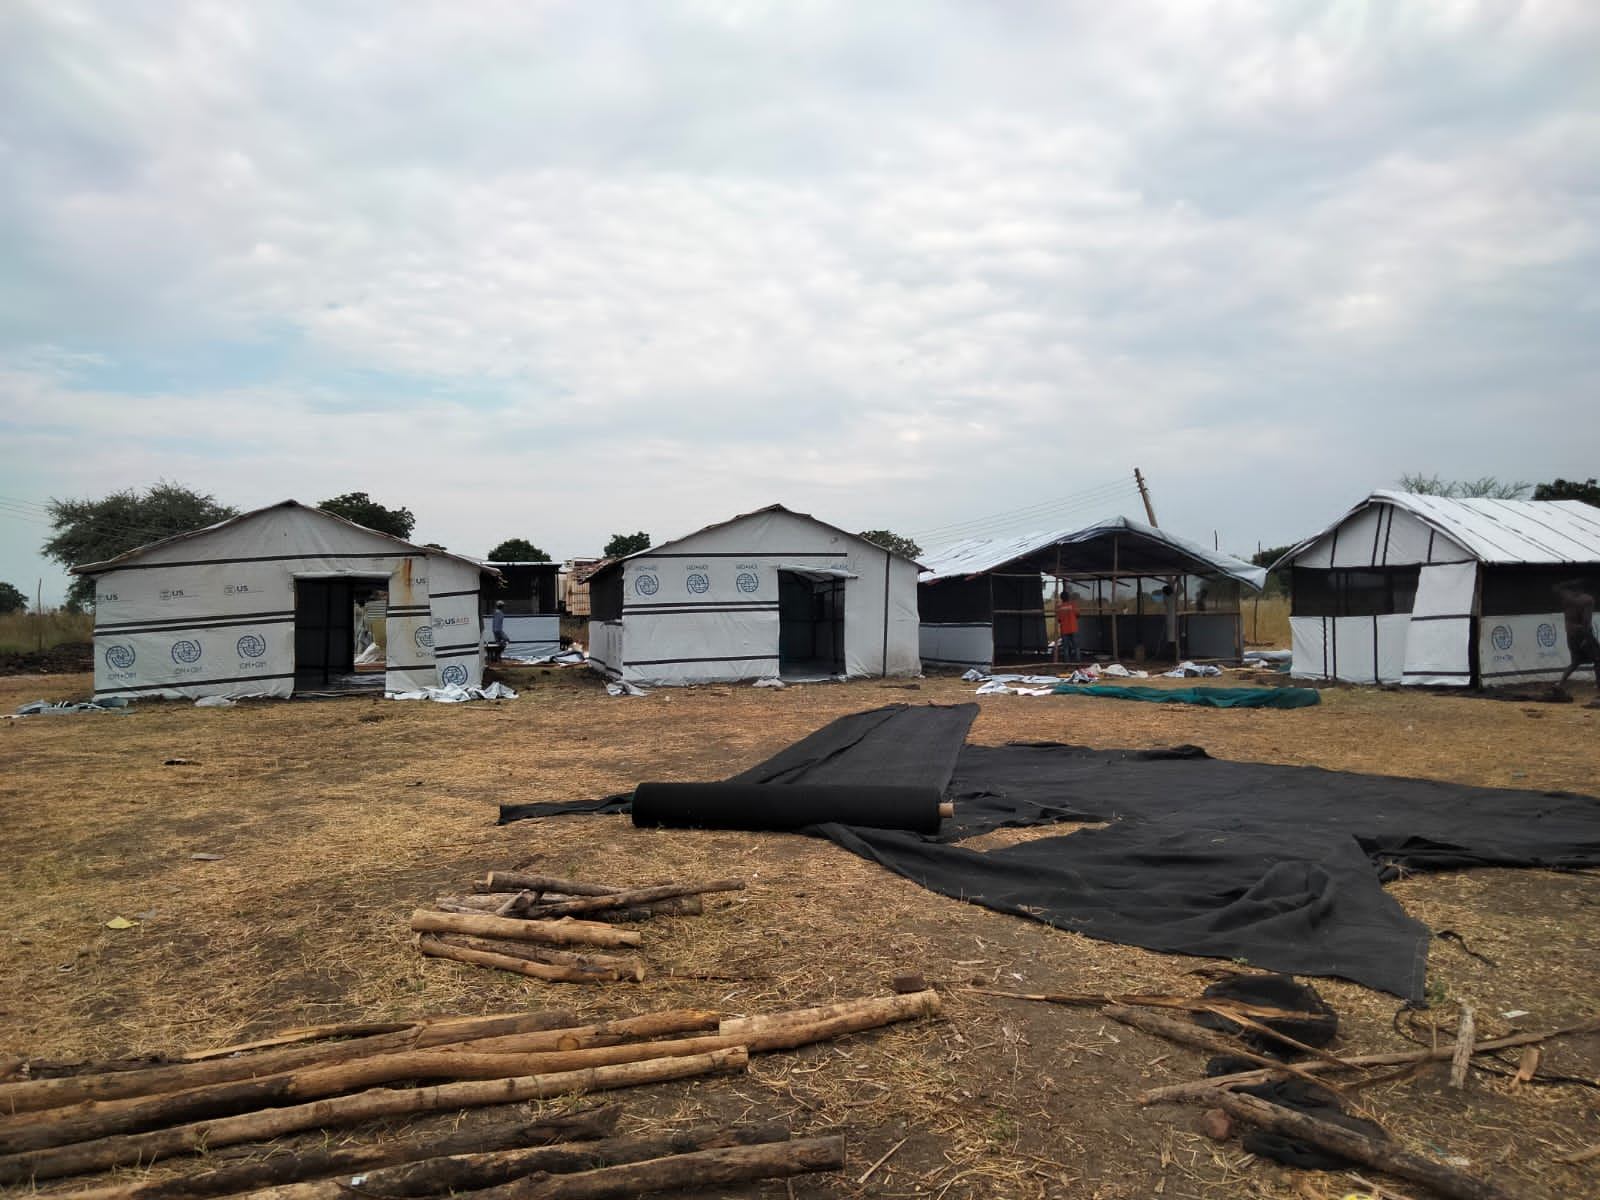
(810, 623)
(332, 627)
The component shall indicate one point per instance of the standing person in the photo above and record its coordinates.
(497, 629)
(1577, 610)
(1066, 628)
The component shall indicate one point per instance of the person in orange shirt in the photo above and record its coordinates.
(1066, 629)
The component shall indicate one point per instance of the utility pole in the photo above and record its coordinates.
(1144, 494)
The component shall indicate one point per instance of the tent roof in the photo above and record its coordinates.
(1138, 549)
(1494, 531)
(610, 563)
(128, 556)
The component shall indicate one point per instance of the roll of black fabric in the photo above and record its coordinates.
(785, 806)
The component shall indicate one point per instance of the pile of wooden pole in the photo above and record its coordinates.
(526, 924)
(97, 1120)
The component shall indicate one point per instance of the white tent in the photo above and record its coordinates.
(273, 601)
(1418, 589)
(772, 593)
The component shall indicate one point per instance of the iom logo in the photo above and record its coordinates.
(698, 583)
(185, 650)
(455, 675)
(119, 657)
(647, 585)
(251, 646)
(1500, 635)
(424, 637)
(1546, 633)
(747, 581)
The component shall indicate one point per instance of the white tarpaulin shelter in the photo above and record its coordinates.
(982, 600)
(773, 593)
(1418, 589)
(274, 601)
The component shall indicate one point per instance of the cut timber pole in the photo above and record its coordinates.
(704, 1169)
(433, 947)
(144, 1148)
(599, 1121)
(516, 881)
(1358, 1147)
(555, 933)
(785, 1031)
(1461, 1059)
(636, 897)
(37, 1095)
(626, 966)
(444, 1176)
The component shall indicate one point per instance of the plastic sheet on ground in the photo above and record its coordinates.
(1190, 670)
(457, 695)
(617, 688)
(43, 708)
(1212, 697)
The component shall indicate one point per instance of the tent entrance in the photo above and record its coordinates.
(339, 642)
(810, 624)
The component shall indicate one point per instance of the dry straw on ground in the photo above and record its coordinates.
(335, 819)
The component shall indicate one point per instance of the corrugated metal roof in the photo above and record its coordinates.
(978, 555)
(1496, 531)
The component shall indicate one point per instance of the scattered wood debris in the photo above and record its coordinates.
(100, 1119)
(512, 917)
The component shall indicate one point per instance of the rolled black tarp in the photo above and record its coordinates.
(786, 807)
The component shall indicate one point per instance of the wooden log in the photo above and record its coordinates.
(703, 1169)
(521, 881)
(142, 1148)
(947, 810)
(448, 1175)
(1229, 1008)
(627, 965)
(38, 1095)
(432, 947)
(1461, 1058)
(1358, 1147)
(556, 933)
(786, 1030)
(1187, 1091)
(527, 904)
(599, 1121)
(636, 897)
(605, 1033)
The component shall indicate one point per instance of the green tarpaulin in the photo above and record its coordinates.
(1209, 697)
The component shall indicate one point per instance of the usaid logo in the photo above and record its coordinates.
(1546, 633)
(119, 657)
(647, 585)
(698, 583)
(186, 650)
(1500, 635)
(455, 675)
(251, 646)
(424, 637)
(747, 581)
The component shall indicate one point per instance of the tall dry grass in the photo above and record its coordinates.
(25, 631)
(1266, 621)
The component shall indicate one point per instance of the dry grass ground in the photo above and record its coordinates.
(336, 818)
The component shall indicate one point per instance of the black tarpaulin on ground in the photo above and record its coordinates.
(1279, 866)
(759, 806)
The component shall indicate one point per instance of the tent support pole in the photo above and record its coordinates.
(888, 564)
(1116, 544)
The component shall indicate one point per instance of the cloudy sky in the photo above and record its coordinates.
(559, 270)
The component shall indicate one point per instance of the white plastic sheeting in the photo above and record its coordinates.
(213, 613)
(1439, 635)
(705, 608)
(965, 644)
(1354, 649)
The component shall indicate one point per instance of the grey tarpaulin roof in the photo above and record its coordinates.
(1495, 531)
(1140, 548)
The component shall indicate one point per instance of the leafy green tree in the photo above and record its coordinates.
(89, 531)
(1569, 489)
(517, 550)
(1487, 488)
(892, 541)
(1277, 581)
(626, 543)
(365, 511)
(11, 599)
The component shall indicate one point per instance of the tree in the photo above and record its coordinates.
(892, 541)
(517, 550)
(1277, 581)
(88, 531)
(364, 510)
(626, 543)
(1487, 488)
(1569, 489)
(11, 599)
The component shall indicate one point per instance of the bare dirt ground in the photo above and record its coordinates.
(335, 818)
